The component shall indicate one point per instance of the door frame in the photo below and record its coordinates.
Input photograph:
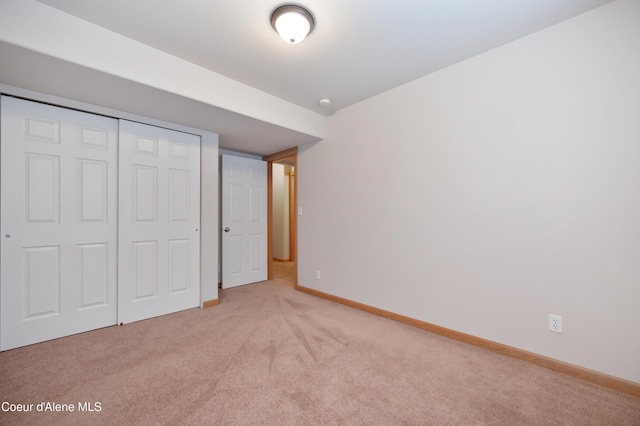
(287, 154)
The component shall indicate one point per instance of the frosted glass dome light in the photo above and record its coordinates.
(292, 22)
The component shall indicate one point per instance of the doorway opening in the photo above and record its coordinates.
(282, 189)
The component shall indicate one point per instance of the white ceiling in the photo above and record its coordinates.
(358, 49)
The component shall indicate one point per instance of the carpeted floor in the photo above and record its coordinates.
(270, 355)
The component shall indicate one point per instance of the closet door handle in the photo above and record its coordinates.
(227, 229)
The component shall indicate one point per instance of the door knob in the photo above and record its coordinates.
(227, 229)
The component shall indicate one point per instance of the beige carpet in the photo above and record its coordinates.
(270, 355)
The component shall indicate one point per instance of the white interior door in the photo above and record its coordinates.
(159, 221)
(59, 222)
(244, 221)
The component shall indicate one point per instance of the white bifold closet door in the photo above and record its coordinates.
(159, 222)
(100, 222)
(59, 222)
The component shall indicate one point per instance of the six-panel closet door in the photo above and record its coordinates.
(159, 221)
(59, 222)
(100, 222)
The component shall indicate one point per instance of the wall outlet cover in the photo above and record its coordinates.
(555, 323)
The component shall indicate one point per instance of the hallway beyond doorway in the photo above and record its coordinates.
(284, 272)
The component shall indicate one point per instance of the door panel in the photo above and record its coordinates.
(179, 266)
(59, 228)
(42, 188)
(94, 194)
(42, 281)
(145, 270)
(159, 244)
(94, 274)
(244, 213)
(179, 195)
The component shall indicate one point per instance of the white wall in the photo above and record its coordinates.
(493, 193)
(209, 221)
(280, 191)
(286, 227)
(278, 194)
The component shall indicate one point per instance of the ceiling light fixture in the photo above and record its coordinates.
(292, 22)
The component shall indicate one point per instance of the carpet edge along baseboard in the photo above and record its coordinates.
(582, 373)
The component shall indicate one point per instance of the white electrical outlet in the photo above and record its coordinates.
(555, 323)
(317, 275)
